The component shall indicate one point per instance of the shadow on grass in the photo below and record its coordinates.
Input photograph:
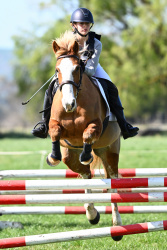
(16, 135)
(50, 224)
(153, 132)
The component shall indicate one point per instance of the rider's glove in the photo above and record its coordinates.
(82, 64)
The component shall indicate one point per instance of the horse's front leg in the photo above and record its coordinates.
(54, 158)
(90, 135)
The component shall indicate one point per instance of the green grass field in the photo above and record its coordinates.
(139, 152)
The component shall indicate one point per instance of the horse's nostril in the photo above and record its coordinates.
(73, 104)
(69, 107)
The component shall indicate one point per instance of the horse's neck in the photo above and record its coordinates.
(90, 94)
(87, 83)
(88, 87)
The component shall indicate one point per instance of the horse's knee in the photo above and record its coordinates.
(92, 132)
(54, 130)
(66, 160)
(112, 164)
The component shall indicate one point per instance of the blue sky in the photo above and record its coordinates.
(17, 15)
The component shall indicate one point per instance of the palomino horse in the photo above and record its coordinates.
(76, 123)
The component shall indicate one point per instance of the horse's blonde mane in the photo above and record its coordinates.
(65, 42)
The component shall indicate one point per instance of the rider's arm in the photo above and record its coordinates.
(92, 63)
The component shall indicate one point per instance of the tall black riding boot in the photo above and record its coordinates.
(127, 129)
(42, 130)
(116, 108)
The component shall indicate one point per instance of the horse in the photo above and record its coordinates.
(76, 123)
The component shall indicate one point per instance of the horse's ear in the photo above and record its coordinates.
(55, 46)
(75, 47)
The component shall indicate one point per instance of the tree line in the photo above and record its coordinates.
(134, 54)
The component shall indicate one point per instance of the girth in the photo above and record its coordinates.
(105, 123)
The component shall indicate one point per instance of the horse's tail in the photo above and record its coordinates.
(97, 162)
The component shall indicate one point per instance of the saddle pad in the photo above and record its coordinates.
(108, 112)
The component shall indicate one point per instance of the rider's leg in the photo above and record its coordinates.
(42, 130)
(126, 128)
(116, 108)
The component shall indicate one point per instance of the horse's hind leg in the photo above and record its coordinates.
(112, 172)
(110, 158)
(70, 158)
(91, 213)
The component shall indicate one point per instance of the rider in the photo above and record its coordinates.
(82, 21)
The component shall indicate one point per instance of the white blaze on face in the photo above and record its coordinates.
(66, 68)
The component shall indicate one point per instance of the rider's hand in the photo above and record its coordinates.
(82, 64)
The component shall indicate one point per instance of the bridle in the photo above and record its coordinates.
(71, 82)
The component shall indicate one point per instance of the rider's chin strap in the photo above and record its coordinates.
(76, 31)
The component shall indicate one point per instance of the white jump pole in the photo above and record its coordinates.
(66, 173)
(83, 234)
(83, 183)
(82, 198)
(57, 191)
(81, 210)
(82, 191)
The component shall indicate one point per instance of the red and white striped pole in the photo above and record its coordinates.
(82, 198)
(83, 183)
(83, 234)
(66, 173)
(82, 191)
(81, 210)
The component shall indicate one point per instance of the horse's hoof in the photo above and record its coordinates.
(96, 219)
(51, 161)
(85, 160)
(117, 238)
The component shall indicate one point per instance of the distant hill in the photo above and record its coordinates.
(6, 61)
(11, 111)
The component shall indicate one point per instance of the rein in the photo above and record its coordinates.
(71, 82)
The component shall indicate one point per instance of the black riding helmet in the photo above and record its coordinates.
(82, 15)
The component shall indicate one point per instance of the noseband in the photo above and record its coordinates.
(71, 82)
